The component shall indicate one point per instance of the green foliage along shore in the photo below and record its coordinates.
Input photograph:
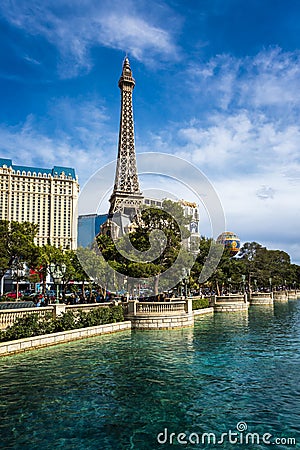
(254, 268)
(200, 303)
(33, 325)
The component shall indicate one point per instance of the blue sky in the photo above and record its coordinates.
(217, 83)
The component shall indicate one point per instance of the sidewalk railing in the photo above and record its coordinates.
(136, 308)
(9, 316)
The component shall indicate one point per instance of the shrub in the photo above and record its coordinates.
(117, 313)
(33, 325)
(101, 316)
(67, 321)
(200, 303)
(27, 326)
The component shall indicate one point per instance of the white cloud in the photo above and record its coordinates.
(270, 79)
(243, 142)
(265, 192)
(74, 28)
(73, 134)
(253, 162)
(274, 221)
(135, 35)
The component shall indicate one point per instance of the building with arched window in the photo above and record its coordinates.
(46, 197)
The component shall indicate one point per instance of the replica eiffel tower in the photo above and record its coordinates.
(126, 197)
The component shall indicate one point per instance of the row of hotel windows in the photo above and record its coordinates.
(36, 189)
(36, 174)
(39, 189)
(153, 202)
(45, 180)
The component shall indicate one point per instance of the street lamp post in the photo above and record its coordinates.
(181, 288)
(243, 280)
(199, 282)
(57, 272)
(185, 276)
(229, 284)
(255, 285)
(270, 281)
(19, 271)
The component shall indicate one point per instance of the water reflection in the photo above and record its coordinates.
(120, 391)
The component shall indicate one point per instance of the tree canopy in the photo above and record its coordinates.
(255, 266)
(153, 246)
(17, 244)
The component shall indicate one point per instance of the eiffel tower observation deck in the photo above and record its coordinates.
(126, 197)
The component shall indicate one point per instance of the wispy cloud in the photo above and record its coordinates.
(138, 36)
(74, 133)
(265, 192)
(74, 28)
(270, 79)
(245, 136)
(226, 144)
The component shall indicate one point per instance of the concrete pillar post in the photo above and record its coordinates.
(132, 307)
(189, 306)
(58, 309)
(213, 300)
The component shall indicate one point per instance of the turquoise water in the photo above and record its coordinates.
(121, 391)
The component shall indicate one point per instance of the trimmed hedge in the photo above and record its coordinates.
(200, 303)
(33, 325)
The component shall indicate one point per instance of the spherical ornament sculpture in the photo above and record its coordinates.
(231, 241)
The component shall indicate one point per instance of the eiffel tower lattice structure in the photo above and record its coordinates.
(126, 197)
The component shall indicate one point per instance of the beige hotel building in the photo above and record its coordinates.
(46, 197)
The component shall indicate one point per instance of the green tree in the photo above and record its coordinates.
(263, 266)
(152, 247)
(47, 254)
(17, 247)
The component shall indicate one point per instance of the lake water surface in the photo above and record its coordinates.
(122, 391)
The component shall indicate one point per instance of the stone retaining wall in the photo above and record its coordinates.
(261, 298)
(161, 322)
(281, 297)
(160, 315)
(229, 303)
(22, 345)
(224, 307)
(202, 311)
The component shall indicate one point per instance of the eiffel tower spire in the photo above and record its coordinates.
(126, 196)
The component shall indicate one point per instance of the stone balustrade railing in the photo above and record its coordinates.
(261, 295)
(261, 298)
(229, 303)
(159, 315)
(9, 316)
(160, 307)
(86, 306)
(229, 298)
